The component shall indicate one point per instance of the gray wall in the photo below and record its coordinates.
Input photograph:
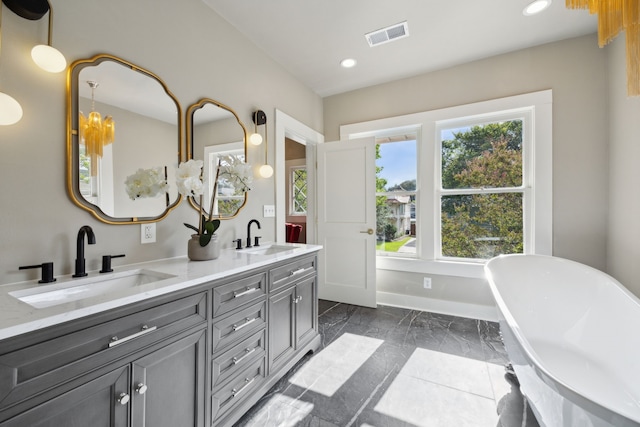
(194, 51)
(576, 71)
(624, 189)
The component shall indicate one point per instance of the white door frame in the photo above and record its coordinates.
(288, 127)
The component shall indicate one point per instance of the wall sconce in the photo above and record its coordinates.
(10, 109)
(45, 56)
(260, 118)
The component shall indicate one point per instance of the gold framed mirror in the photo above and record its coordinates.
(214, 130)
(124, 141)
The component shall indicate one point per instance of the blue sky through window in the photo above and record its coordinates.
(398, 160)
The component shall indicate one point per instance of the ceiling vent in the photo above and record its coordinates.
(386, 35)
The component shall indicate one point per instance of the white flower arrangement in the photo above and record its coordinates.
(188, 178)
(235, 172)
(146, 183)
(189, 182)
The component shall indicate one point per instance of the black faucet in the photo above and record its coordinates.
(249, 231)
(91, 238)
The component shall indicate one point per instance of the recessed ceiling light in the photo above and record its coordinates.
(348, 63)
(535, 7)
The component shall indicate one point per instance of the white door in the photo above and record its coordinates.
(346, 211)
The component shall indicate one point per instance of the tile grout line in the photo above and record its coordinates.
(453, 388)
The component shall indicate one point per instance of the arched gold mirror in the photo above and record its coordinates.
(214, 130)
(124, 141)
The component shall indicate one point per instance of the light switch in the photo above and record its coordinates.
(269, 211)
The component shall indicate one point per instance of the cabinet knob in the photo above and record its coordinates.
(123, 399)
(141, 388)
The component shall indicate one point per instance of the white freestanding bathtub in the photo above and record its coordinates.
(573, 336)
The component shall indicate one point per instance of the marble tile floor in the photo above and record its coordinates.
(393, 367)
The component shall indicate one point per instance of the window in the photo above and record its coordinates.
(229, 199)
(484, 182)
(396, 181)
(298, 202)
(482, 188)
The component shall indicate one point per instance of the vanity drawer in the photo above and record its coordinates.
(236, 390)
(291, 272)
(230, 296)
(60, 357)
(237, 358)
(237, 326)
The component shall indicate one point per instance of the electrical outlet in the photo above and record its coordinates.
(269, 211)
(427, 282)
(148, 233)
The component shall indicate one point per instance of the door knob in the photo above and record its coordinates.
(369, 231)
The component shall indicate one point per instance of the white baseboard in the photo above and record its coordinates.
(473, 311)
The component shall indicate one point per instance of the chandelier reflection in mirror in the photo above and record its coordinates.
(95, 133)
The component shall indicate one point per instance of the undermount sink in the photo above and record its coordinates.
(77, 289)
(268, 249)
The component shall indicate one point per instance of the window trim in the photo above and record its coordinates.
(539, 166)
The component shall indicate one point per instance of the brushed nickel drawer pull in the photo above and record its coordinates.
(117, 341)
(298, 271)
(297, 299)
(248, 351)
(247, 323)
(247, 381)
(249, 290)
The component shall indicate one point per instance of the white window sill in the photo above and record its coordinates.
(473, 270)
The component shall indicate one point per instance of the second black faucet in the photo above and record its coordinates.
(249, 231)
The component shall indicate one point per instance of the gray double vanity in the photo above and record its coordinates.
(168, 343)
(164, 343)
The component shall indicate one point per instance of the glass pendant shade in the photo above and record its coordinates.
(48, 58)
(255, 139)
(10, 110)
(266, 171)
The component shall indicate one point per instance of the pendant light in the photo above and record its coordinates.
(10, 109)
(44, 55)
(95, 132)
(614, 17)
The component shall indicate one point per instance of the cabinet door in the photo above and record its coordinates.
(94, 404)
(168, 385)
(282, 339)
(306, 310)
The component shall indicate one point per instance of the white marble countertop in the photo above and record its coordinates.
(18, 317)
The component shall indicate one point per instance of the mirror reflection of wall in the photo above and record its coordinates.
(296, 183)
(140, 142)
